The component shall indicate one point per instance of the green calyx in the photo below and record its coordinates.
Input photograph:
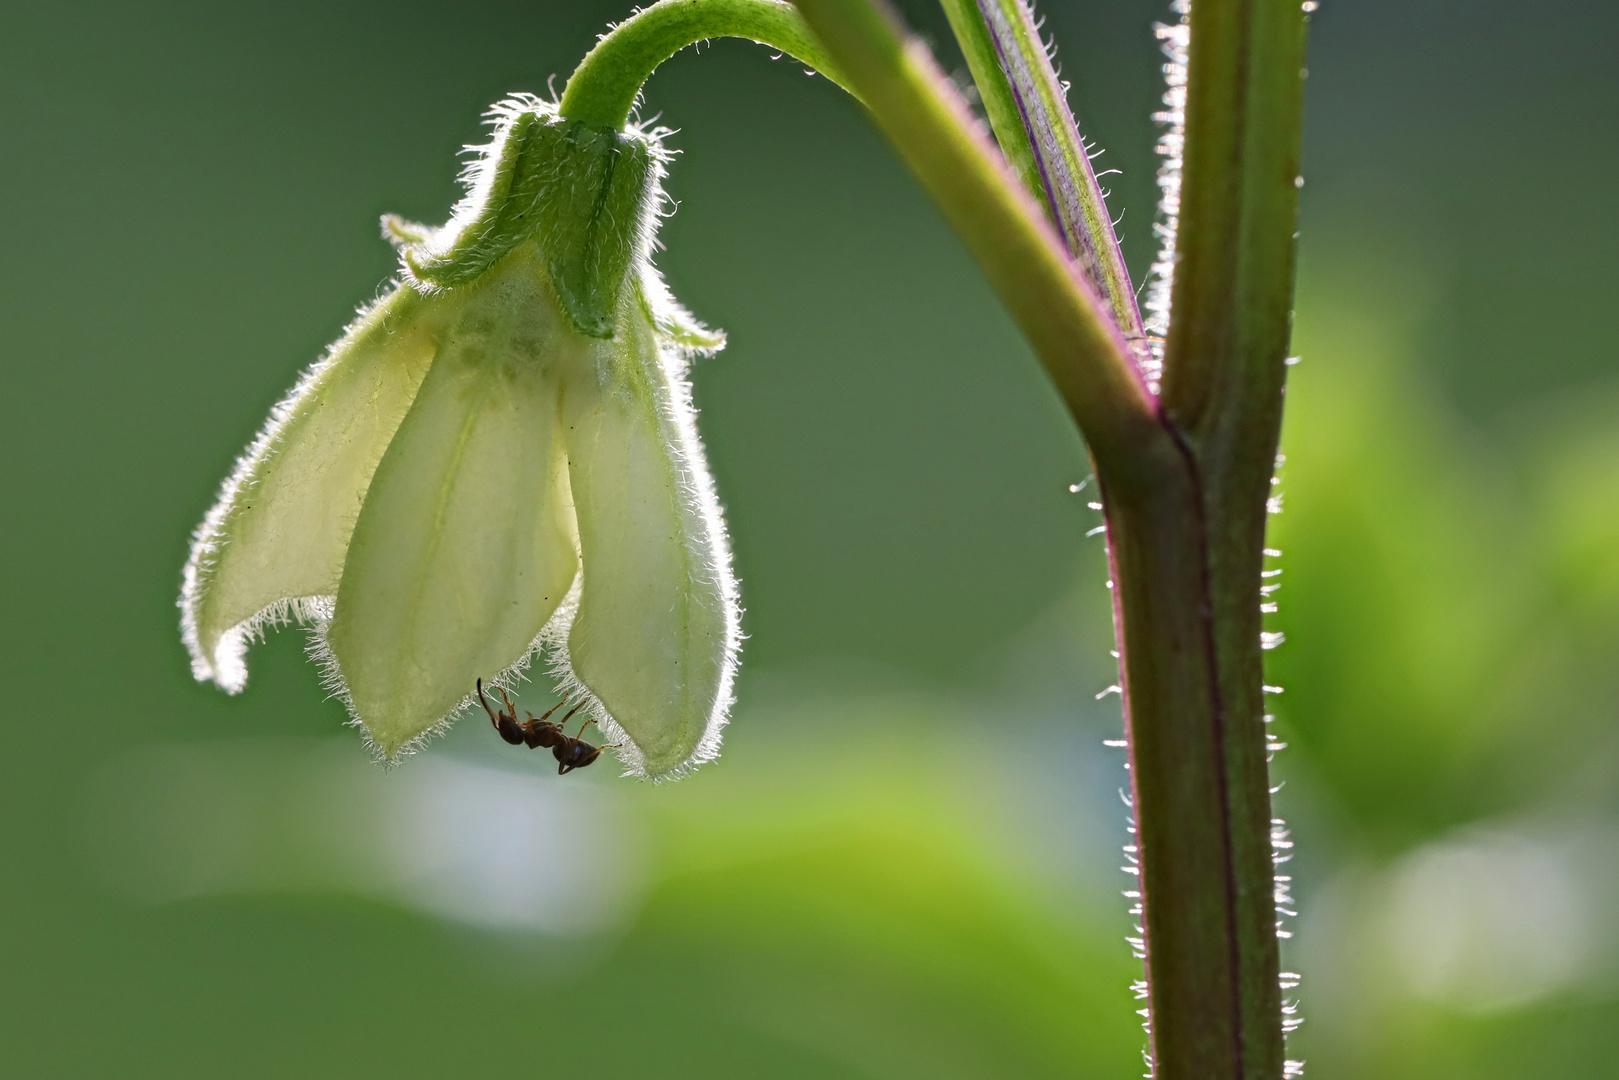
(584, 195)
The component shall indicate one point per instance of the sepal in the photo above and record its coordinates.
(583, 193)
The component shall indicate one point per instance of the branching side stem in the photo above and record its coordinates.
(995, 91)
(1069, 325)
(1028, 108)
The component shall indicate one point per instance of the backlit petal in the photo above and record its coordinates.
(465, 545)
(656, 634)
(274, 543)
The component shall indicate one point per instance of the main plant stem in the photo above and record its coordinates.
(1224, 366)
(1185, 476)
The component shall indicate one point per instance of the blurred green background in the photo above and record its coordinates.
(905, 865)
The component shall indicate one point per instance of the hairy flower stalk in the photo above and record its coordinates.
(498, 457)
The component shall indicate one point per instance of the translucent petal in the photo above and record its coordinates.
(655, 637)
(275, 540)
(465, 545)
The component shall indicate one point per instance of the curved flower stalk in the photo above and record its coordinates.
(498, 457)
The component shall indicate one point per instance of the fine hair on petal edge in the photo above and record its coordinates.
(227, 666)
(703, 502)
(705, 521)
(510, 679)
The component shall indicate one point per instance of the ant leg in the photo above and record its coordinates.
(548, 712)
(510, 708)
(569, 714)
(486, 707)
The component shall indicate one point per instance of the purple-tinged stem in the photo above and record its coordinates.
(1028, 108)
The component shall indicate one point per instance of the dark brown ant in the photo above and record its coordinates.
(571, 751)
(536, 732)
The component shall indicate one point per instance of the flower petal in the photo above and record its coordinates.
(656, 635)
(465, 545)
(275, 540)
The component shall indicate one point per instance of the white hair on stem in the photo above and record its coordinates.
(1176, 43)
(1176, 40)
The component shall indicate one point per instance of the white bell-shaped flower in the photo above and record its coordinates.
(499, 457)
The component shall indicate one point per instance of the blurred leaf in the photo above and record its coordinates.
(1404, 577)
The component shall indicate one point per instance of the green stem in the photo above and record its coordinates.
(603, 88)
(1028, 110)
(995, 92)
(1184, 486)
(1070, 327)
(1224, 368)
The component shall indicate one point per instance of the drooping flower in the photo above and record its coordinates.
(497, 458)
